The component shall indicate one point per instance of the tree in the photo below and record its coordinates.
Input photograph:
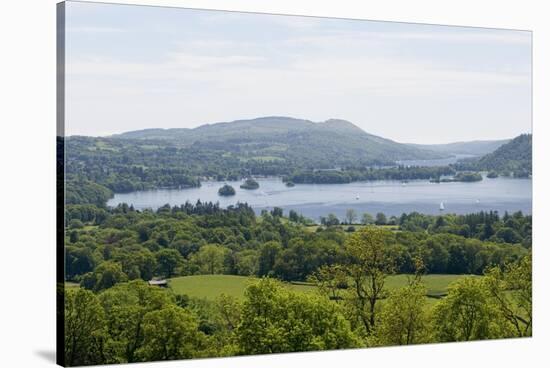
(137, 262)
(210, 259)
(458, 262)
(170, 333)
(370, 264)
(351, 216)
(508, 235)
(229, 308)
(106, 275)
(276, 320)
(268, 255)
(76, 224)
(466, 313)
(331, 280)
(277, 212)
(247, 262)
(380, 219)
(293, 216)
(332, 220)
(511, 291)
(85, 328)
(125, 307)
(167, 261)
(367, 219)
(78, 261)
(404, 319)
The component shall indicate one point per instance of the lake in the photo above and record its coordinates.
(389, 197)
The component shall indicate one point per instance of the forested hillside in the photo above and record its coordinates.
(326, 144)
(511, 159)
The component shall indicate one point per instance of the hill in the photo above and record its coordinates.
(325, 144)
(476, 148)
(513, 158)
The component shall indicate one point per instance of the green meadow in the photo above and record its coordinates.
(211, 286)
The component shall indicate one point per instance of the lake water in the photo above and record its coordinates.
(389, 197)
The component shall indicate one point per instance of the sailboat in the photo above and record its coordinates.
(441, 206)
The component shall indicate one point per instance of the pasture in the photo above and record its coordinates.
(211, 286)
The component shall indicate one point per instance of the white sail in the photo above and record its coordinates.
(441, 206)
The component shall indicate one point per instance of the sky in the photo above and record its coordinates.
(139, 67)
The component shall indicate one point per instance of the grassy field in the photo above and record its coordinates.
(211, 286)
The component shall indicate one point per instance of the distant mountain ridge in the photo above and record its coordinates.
(268, 124)
(334, 141)
(476, 148)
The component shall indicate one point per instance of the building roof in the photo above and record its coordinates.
(158, 282)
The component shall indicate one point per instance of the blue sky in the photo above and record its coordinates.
(136, 67)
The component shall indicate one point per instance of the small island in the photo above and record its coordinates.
(467, 177)
(226, 190)
(250, 184)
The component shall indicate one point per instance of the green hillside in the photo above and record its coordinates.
(513, 158)
(326, 144)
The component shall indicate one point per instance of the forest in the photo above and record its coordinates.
(112, 315)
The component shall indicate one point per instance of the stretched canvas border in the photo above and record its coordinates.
(60, 134)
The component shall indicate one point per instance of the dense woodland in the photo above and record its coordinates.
(178, 241)
(511, 159)
(116, 317)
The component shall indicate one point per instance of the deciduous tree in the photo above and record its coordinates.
(85, 328)
(511, 291)
(370, 264)
(170, 333)
(276, 320)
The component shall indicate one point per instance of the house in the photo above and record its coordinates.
(159, 283)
